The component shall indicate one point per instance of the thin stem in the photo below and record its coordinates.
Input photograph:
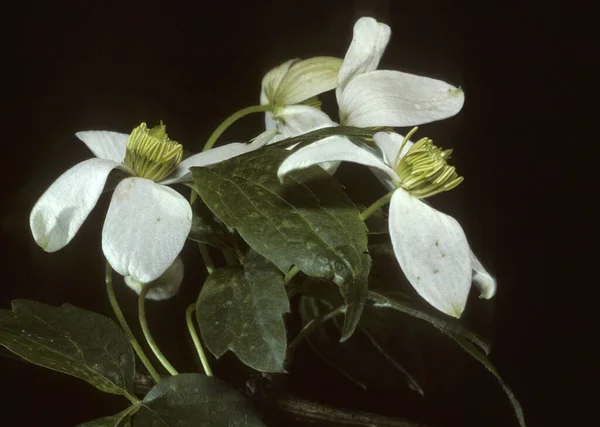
(290, 275)
(142, 316)
(232, 119)
(119, 315)
(210, 266)
(378, 203)
(196, 339)
(312, 325)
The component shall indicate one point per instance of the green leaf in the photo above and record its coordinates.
(464, 338)
(122, 419)
(447, 326)
(308, 221)
(68, 339)
(206, 229)
(481, 358)
(241, 308)
(192, 400)
(367, 358)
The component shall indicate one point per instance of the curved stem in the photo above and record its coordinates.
(142, 316)
(290, 275)
(196, 339)
(210, 266)
(119, 315)
(231, 120)
(376, 205)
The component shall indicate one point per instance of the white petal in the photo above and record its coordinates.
(390, 143)
(296, 120)
(392, 98)
(308, 78)
(165, 287)
(368, 44)
(433, 252)
(482, 279)
(145, 228)
(216, 155)
(332, 149)
(59, 213)
(271, 82)
(104, 144)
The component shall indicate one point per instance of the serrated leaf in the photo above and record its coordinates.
(192, 400)
(122, 419)
(364, 358)
(241, 308)
(205, 229)
(68, 339)
(308, 221)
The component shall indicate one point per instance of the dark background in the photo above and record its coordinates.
(79, 65)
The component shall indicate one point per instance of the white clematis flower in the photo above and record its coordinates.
(369, 97)
(291, 88)
(430, 246)
(366, 97)
(147, 222)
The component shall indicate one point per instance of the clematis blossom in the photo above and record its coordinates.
(291, 88)
(147, 222)
(366, 97)
(429, 245)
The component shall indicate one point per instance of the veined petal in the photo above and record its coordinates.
(295, 120)
(369, 41)
(482, 279)
(433, 252)
(104, 144)
(216, 155)
(332, 149)
(62, 209)
(392, 98)
(308, 78)
(145, 228)
(271, 81)
(165, 287)
(389, 143)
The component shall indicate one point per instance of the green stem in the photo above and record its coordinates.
(119, 315)
(142, 316)
(210, 266)
(232, 119)
(196, 339)
(378, 203)
(290, 275)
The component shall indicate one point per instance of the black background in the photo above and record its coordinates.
(78, 65)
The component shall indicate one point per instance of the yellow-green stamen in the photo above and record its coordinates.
(151, 154)
(312, 102)
(423, 171)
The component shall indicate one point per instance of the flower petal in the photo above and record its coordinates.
(433, 252)
(165, 287)
(104, 144)
(295, 120)
(62, 209)
(216, 155)
(390, 143)
(271, 81)
(332, 149)
(366, 49)
(145, 228)
(392, 98)
(482, 279)
(308, 78)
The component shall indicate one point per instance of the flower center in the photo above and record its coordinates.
(151, 154)
(424, 171)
